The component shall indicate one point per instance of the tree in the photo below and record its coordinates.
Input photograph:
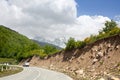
(109, 25)
(49, 49)
(70, 44)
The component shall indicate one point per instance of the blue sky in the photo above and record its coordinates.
(109, 8)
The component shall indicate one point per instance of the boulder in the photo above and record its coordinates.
(80, 72)
(101, 79)
(117, 47)
(46, 57)
(101, 54)
(109, 45)
(114, 78)
(95, 60)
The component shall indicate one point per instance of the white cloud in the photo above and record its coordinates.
(50, 19)
(117, 19)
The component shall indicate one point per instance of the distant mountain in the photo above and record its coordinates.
(58, 41)
(46, 43)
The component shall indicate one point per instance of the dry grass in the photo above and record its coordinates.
(10, 72)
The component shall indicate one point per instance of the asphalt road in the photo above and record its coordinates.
(34, 73)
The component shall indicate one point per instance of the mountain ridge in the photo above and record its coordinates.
(46, 43)
(58, 41)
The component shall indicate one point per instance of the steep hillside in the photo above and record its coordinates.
(17, 46)
(13, 44)
(99, 60)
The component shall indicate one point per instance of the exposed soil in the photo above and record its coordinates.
(96, 61)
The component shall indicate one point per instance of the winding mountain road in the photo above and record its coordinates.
(34, 73)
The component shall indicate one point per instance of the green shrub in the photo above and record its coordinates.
(70, 44)
(109, 25)
(80, 44)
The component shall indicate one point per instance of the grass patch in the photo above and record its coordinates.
(6, 70)
(8, 60)
(10, 72)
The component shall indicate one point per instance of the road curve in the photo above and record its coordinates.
(34, 73)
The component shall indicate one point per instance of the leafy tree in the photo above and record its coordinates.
(109, 25)
(115, 31)
(70, 44)
(49, 49)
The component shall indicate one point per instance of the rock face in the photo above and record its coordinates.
(91, 62)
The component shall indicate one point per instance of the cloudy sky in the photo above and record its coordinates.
(57, 19)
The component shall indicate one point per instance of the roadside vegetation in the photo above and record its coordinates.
(42, 52)
(16, 46)
(6, 70)
(110, 29)
(8, 60)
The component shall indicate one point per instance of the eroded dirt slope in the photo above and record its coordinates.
(99, 60)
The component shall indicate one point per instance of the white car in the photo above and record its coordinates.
(26, 64)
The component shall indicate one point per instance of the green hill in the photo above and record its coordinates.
(17, 46)
(14, 45)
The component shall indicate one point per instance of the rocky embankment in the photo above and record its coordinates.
(96, 61)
